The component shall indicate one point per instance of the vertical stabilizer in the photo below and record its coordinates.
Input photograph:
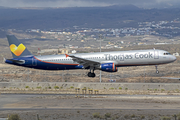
(17, 48)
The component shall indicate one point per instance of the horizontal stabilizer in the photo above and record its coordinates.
(16, 61)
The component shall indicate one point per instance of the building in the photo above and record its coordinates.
(176, 54)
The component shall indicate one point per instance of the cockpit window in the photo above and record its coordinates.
(167, 54)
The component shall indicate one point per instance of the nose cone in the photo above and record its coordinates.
(173, 58)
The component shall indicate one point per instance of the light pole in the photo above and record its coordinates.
(100, 70)
(100, 37)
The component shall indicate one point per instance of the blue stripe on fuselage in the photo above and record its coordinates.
(31, 62)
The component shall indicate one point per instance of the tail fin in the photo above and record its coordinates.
(17, 48)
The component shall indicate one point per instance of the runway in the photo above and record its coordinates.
(66, 101)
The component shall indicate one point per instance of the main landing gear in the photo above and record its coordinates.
(157, 72)
(91, 74)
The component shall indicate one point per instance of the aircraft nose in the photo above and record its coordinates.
(173, 58)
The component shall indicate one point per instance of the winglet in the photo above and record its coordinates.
(67, 55)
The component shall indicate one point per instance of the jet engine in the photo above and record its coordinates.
(108, 67)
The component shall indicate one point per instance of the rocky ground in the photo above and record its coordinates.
(91, 114)
(57, 107)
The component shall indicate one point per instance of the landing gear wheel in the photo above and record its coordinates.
(91, 74)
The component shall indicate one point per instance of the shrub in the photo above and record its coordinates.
(27, 86)
(111, 88)
(165, 118)
(72, 87)
(126, 116)
(96, 115)
(162, 90)
(142, 117)
(112, 118)
(177, 90)
(39, 87)
(178, 116)
(120, 88)
(56, 87)
(49, 87)
(14, 117)
(126, 88)
(133, 116)
(107, 115)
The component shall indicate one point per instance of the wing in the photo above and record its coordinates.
(85, 62)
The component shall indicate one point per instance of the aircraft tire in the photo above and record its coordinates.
(89, 74)
(93, 75)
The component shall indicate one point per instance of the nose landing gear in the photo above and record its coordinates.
(157, 72)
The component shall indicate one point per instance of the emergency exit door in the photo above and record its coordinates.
(156, 54)
(34, 62)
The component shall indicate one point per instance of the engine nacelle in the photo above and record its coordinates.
(108, 67)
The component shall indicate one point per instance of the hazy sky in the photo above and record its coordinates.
(87, 3)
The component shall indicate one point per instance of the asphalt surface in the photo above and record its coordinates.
(65, 102)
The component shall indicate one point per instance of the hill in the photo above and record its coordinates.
(91, 17)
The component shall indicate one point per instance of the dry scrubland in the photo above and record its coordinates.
(95, 114)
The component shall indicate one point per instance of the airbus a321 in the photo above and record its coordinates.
(105, 61)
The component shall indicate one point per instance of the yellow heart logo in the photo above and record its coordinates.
(17, 50)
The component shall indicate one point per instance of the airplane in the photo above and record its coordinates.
(104, 61)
